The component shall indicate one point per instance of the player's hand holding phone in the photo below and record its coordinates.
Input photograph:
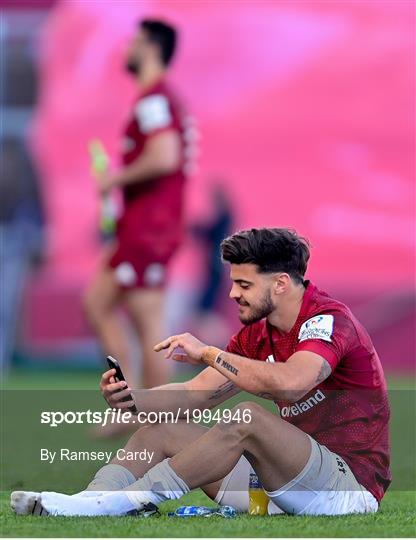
(115, 389)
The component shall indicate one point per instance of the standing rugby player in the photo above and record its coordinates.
(150, 229)
(327, 453)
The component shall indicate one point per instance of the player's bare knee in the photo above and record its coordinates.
(248, 415)
(146, 434)
(237, 425)
(159, 430)
(247, 411)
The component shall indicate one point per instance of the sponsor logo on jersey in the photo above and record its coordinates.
(319, 327)
(270, 359)
(302, 406)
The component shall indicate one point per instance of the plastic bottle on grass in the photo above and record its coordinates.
(205, 511)
(258, 501)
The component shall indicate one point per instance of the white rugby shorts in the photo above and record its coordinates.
(325, 486)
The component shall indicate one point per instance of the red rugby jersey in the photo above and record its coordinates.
(349, 411)
(153, 208)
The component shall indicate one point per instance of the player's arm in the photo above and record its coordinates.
(206, 390)
(211, 388)
(161, 156)
(162, 151)
(287, 381)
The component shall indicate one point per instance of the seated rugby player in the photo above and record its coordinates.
(327, 453)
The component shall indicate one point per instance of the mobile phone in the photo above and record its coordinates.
(119, 376)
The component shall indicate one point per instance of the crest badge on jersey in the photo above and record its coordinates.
(318, 327)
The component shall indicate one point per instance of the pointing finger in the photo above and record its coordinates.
(163, 344)
(174, 344)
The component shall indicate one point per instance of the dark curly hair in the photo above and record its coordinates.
(272, 250)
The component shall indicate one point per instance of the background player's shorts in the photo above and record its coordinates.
(140, 266)
(326, 486)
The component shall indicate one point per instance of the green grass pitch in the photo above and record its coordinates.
(396, 517)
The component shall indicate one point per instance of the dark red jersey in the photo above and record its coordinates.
(349, 411)
(153, 208)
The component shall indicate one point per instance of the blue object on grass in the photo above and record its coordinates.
(205, 511)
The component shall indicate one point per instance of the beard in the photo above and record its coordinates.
(259, 311)
(133, 66)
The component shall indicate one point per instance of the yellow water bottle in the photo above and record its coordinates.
(258, 501)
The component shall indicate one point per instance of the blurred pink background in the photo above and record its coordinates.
(306, 109)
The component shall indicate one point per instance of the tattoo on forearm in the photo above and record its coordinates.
(324, 373)
(223, 390)
(226, 365)
(229, 367)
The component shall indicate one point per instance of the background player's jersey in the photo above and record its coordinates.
(349, 411)
(153, 208)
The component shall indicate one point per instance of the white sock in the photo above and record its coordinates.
(159, 484)
(112, 477)
(118, 502)
(112, 503)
